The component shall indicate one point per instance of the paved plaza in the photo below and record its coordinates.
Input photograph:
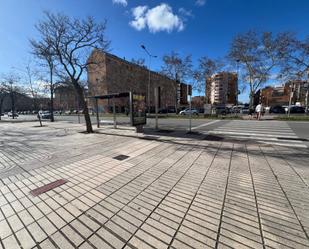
(167, 191)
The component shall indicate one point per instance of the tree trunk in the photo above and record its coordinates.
(1, 104)
(252, 91)
(13, 103)
(176, 99)
(251, 100)
(51, 96)
(84, 105)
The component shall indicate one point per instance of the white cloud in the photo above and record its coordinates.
(121, 2)
(200, 2)
(185, 12)
(139, 21)
(159, 18)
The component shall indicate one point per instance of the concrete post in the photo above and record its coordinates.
(114, 114)
(156, 106)
(97, 109)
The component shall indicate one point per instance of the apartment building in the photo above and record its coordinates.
(222, 89)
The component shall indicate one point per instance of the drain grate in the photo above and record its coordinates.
(47, 187)
(121, 157)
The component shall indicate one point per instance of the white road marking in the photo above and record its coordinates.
(265, 139)
(203, 125)
(273, 133)
(257, 130)
(286, 145)
(251, 134)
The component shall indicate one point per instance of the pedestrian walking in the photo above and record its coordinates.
(258, 111)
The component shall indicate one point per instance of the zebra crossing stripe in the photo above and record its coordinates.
(286, 145)
(255, 130)
(265, 138)
(260, 132)
(251, 134)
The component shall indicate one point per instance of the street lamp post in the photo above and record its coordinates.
(237, 91)
(291, 97)
(306, 98)
(148, 88)
(307, 92)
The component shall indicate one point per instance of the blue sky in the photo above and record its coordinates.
(194, 27)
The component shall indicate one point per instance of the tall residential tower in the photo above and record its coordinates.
(222, 89)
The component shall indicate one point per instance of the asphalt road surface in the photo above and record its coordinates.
(283, 133)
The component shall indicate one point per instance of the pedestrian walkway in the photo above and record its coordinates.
(271, 132)
(126, 192)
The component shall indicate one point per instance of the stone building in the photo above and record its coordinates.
(108, 74)
(198, 101)
(222, 89)
(24, 102)
(66, 98)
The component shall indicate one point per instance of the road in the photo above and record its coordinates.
(284, 133)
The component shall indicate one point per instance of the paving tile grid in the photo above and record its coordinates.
(189, 194)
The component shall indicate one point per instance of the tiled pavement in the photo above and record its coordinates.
(174, 193)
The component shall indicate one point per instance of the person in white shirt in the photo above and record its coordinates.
(258, 110)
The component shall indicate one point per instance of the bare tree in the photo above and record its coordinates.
(177, 68)
(140, 62)
(256, 55)
(4, 91)
(294, 56)
(71, 40)
(43, 50)
(33, 89)
(206, 68)
(9, 82)
(294, 60)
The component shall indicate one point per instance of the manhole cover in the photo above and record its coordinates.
(47, 187)
(121, 157)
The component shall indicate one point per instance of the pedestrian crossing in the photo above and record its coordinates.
(271, 132)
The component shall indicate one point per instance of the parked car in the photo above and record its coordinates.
(221, 110)
(169, 109)
(10, 114)
(277, 109)
(187, 111)
(162, 110)
(201, 110)
(297, 109)
(245, 110)
(286, 108)
(236, 109)
(45, 115)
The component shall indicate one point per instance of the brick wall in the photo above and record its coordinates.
(109, 74)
